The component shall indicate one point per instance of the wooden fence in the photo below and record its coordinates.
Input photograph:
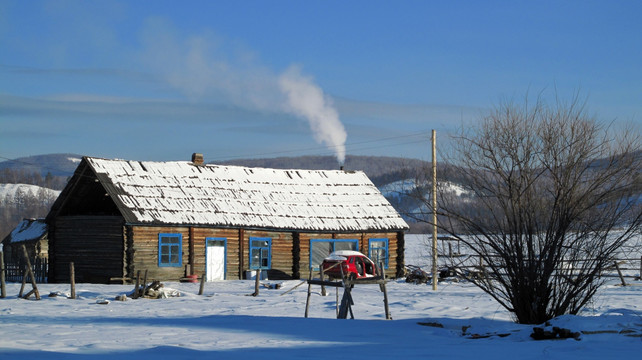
(15, 271)
(472, 265)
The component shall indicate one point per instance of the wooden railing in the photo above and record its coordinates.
(15, 271)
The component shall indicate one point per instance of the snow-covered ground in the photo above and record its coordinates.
(226, 323)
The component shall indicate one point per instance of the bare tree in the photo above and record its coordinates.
(554, 197)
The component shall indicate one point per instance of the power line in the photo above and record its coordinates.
(325, 149)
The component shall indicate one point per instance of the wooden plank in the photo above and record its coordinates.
(3, 284)
(325, 283)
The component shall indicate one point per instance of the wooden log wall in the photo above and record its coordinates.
(232, 255)
(144, 247)
(282, 245)
(304, 261)
(93, 243)
(119, 251)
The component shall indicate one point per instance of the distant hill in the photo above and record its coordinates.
(56, 164)
(381, 170)
(11, 192)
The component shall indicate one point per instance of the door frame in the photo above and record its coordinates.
(207, 244)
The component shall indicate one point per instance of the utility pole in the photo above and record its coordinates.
(434, 210)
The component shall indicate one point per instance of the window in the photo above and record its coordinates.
(378, 251)
(260, 253)
(170, 250)
(321, 248)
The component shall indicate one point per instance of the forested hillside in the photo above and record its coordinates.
(19, 201)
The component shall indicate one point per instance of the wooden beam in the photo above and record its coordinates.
(191, 251)
(325, 283)
(401, 244)
(241, 257)
(124, 254)
(296, 255)
(29, 272)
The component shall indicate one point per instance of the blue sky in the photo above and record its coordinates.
(159, 80)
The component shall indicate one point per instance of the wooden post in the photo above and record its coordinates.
(200, 290)
(30, 273)
(640, 274)
(346, 300)
(191, 255)
(24, 282)
(257, 282)
(322, 273)
(385, 292)
(434, 210)
(619, 272)
(135, 294)
(142, 288)
(307, 301)
(72, 280)
(336, 300)
(3, 284)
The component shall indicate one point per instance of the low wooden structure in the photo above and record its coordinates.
(346, 300)
(31, 234)
(176, 219)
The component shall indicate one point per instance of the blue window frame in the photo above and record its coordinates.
(378, 251)
(170, 250)
(321, 248)
(260, 253)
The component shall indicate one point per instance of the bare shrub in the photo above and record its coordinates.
(554, 196)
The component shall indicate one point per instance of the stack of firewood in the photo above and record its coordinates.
(151, 291)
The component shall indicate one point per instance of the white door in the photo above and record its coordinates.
(215, 261)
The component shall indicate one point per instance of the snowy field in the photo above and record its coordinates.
(226, 323)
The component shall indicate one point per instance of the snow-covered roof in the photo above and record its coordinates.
(29, 229)
(340, 255)
(184, 193)
(346, 253)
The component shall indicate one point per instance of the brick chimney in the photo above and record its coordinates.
(197, 159)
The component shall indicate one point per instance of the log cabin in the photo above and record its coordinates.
(32, 233)
(184, 218)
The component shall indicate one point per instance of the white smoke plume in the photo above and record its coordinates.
(307, 100)
(204, 67)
